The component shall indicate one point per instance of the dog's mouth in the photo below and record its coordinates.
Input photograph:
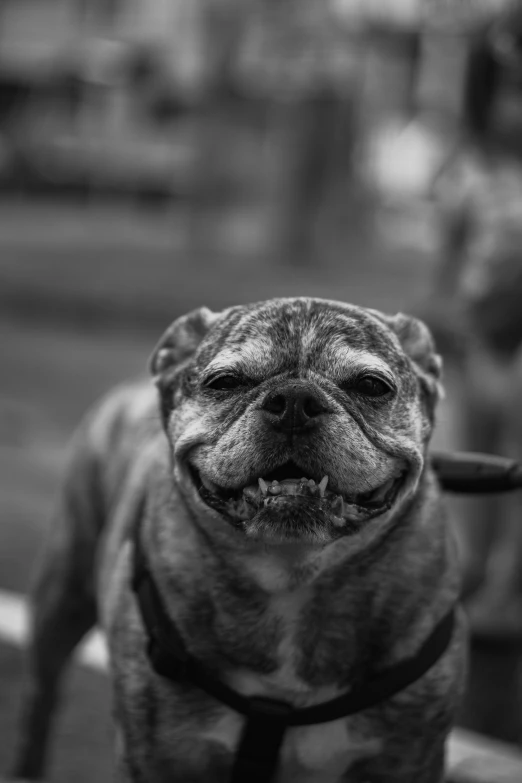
(287, 485)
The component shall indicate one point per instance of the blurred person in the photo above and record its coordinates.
(477, 317)
(393, 62)
(494, 61)
(476, 304)
(333, 73)
(447, 84)
(306, 64)
(303, 66)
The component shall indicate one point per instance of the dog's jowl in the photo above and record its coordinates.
(260, 534)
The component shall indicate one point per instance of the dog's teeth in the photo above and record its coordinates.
(383, 491)
(250, 492)
(208, 484)
(243, 511)
(274, 488)
(378, 495)
(338, 521)
(338, 506)
(263, 486)
(322, 486)
(311, 483)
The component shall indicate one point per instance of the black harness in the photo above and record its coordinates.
(266, 719)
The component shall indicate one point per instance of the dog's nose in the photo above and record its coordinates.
(293, 407)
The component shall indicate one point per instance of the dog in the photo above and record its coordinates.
(274, 484)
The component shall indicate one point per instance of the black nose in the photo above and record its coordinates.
(293, 407)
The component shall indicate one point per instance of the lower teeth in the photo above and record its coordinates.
(208, 484)
(341, 509)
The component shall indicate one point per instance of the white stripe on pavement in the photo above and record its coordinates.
(14, 629)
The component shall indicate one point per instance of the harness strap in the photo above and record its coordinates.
(263, 733)
(267, 719)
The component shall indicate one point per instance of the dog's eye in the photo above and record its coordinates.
(224, 382)
(368, 386)
(371, 386)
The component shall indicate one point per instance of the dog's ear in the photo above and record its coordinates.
(180, 341)
(418, 344)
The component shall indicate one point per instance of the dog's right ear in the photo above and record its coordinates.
(180, 341)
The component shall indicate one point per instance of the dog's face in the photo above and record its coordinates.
(297, 419)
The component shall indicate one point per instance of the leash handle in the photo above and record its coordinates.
(475, 473)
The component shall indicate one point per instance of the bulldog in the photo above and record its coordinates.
(262, 538)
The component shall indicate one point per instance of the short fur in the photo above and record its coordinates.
(297, 607)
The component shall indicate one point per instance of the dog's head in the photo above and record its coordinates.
(297, 419)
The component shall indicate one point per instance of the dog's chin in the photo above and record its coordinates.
(296, 510)
(297, 520)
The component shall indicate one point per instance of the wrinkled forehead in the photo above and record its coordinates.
(300, 334)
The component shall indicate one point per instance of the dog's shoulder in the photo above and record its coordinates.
(127, 413)
(118, 437)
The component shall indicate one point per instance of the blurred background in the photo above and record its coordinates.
(157, 155)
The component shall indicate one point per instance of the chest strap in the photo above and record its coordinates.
(267, 719)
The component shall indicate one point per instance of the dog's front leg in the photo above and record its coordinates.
(63, 611)
(122, 771)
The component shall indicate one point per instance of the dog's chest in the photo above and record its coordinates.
(309, 754)
(320, 753)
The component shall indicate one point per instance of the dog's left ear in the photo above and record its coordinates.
(180, 341)
(418, 344)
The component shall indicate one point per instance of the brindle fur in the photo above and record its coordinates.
(302, 621)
